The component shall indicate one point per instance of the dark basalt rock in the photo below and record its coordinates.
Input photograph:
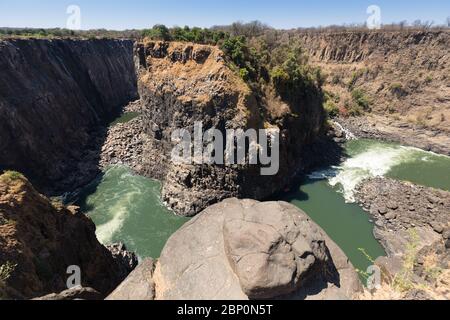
(55, 97)
(126, 260)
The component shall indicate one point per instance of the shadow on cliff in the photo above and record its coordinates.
(80, 198)
(57, 98)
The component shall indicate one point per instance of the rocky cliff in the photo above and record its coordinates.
(403, 74)
(181, 83)
(40, 239)
(54, 96)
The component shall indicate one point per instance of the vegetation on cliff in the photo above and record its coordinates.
(258, 59)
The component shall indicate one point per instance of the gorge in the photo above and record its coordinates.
(64, 134)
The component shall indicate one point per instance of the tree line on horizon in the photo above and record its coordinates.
(207, 35)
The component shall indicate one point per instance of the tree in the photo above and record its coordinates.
(417, 23)
(403, 24)
(158, 32)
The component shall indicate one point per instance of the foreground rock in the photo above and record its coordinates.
(251, 250)
(40, 240)
(138, 285)
(76, 293)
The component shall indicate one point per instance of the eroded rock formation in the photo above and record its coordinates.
(413, 224)
(181, 83)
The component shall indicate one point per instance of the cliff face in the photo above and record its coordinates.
(39, 240)
(359, 46)
(54, 95)
(180, 84)
(403, 74)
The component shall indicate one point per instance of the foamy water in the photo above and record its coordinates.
(348, 134)
(115, 205)
(128, 208)
(370, 159)
(119, 212)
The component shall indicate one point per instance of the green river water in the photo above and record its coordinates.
(124, 118)
(127, 208)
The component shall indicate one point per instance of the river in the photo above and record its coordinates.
(126, 207)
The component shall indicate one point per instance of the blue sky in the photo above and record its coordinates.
(140, 14)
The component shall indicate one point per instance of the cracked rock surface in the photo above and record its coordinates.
(245, 249)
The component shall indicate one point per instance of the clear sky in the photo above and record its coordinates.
(129, 14)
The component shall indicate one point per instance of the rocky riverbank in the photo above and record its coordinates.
(413, 224)
(403, 132)
(124, 142)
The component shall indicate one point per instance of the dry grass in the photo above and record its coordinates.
(402, 285)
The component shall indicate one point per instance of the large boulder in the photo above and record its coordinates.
(244, 249)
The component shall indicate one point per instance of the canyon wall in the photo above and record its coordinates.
(54, 96)
(403, 75)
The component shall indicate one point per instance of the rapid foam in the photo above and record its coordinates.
(116, 203)
(370, 160)
(348, 134)
(106, 232)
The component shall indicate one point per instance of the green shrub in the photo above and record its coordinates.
(336, 79)
(391, 110)
(395, 86)
(196, 35)
(319, 77)
(6, 270)
(331, 108)
(293, 77)
(158, 32)
(397, 89)
(244, 74)
(9, 176)
(361, 99)
(354, 110)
